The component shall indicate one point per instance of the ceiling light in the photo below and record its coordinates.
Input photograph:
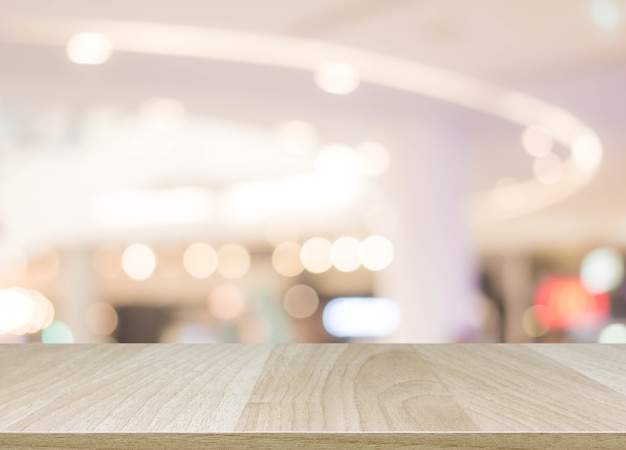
(315, 255)
(138, 262)
(587, 152)
(376, 253)
(337, 77)
(89, 48)
(233, 261)
(361, 317)
(345, 254)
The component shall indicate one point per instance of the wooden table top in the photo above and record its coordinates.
(313, 395)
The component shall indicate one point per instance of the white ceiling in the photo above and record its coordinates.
(486, 38)
(549, 49)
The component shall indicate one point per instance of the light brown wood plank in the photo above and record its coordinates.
(351, 388)
(512, 387)
(605, 364)
(127, 388)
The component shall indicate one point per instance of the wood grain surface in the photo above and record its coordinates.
(313, 396)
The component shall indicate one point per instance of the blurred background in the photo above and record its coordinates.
(328, 171)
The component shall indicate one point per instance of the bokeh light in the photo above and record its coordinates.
(337, 77)
(602, 270)
(233, 261)
(200, 260)
(374, 158)
(345, 254)
(227, 301)
(587, 152)
(315, 255)
(286, 259)
(297, 137)
(605, 14)
(16, 311)
(548, 169)
(23, 311)
(361, 317)
(89, 48)
(566, 303)
(376, 253)
(101, 319)
(57, 333)
(537, 141)
(138, 261)
(301, 301)
(533, 326)
(614, 333)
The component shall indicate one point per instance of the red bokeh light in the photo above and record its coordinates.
(563, 302)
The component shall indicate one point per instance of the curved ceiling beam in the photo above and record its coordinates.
(389, 71)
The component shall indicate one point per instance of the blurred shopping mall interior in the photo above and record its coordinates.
(312, 171)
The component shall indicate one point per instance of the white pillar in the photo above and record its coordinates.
(432, 277)
(77, 293)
